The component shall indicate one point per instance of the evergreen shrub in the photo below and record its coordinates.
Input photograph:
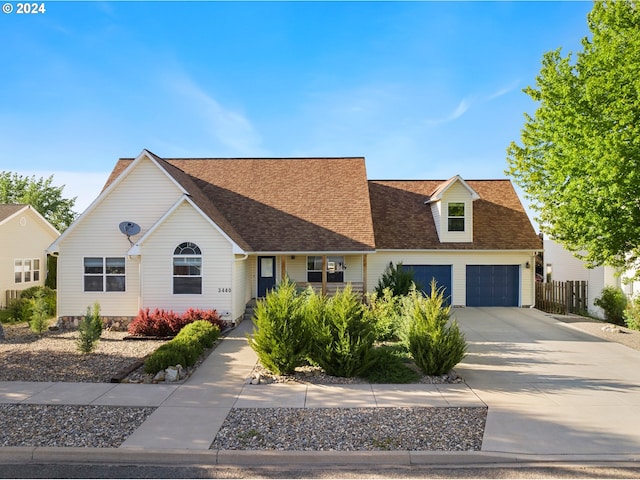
(280, 337)
(90, 329)
(435, 342)
(397, 279)
(185, 348)
(39, 321)
(341, 335)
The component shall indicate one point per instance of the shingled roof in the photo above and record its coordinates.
(9, 209)
(280, 205)
(402, 220)
(327, 205)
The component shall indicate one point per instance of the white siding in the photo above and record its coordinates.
(142, 197)
(566, 267)
(185, 224)
(241, 288)
(459, 260)
(456, 193)
(25, 236)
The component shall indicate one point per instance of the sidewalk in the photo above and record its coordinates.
(553, 394)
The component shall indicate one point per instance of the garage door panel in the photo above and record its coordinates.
(423, 274)
(493, 285)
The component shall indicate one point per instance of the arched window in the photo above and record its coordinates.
(187, 269)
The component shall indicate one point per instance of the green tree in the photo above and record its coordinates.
(41, 194)
(579, 158)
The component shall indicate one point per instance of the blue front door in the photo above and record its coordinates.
(266, 275)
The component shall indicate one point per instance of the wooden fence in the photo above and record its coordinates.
(562, 297)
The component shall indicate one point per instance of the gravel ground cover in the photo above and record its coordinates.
(68, 426)
(352, 429)
(54, 357)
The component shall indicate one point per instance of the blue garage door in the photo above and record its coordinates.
(493, 285)
(423, 274)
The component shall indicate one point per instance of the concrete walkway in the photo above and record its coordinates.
(553, 393)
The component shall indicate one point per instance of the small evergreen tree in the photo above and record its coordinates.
(397, 279)
(39, 321)
(436, 344)
(280, 337)
(90, 329)
(342, 337)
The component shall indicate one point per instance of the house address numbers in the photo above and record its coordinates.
(224, 290)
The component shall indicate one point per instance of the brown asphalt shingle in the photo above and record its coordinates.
(7, 209)
(402, 220)
(327, 205)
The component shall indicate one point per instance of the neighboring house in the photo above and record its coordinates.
(215, 233)
(562, 266)
(24, 236)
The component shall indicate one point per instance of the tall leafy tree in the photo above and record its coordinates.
(579, 158)
(41, 194)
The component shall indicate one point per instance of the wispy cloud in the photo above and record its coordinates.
(503, 91)
(455, 114)
(231, 128)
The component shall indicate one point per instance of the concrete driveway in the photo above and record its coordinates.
(550, 388)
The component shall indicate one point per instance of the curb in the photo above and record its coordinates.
(140, 456)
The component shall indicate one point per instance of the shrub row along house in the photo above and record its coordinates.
(215, 233)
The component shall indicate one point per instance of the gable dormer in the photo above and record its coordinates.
(452, 209)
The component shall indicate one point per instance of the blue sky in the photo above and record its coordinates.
(420, 89)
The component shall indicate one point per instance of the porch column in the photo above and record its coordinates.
(364, 273)
(324, 275)
(283, 267)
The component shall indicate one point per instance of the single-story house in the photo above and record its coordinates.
(24, 236)
(215, 233)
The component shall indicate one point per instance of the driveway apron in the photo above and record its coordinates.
(550, 388)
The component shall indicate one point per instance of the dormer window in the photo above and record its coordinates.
(456, 217)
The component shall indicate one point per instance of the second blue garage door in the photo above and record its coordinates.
(493, 285)
(423, 274)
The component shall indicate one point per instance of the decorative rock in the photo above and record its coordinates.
(171, 374)
(159, 377)
(611, 329)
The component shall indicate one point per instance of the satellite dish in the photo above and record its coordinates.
(129, 228)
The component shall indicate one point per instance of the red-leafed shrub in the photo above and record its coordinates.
(163, 323)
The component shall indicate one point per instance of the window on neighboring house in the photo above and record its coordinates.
(26, 270)
(17, 270)
(187, 269)
(104, 274)
(456, 216)
(335, 269)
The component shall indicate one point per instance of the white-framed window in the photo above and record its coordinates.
(335, 269)
(187, 269)
(455, 216)
(26, 270)
(104, 274)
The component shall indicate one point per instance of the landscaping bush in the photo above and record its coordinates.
(90, 329)
(397, 279)
(280, 337)
(632, 313)
(341, 335)
(20, 310)
(185, 348)
(390, 364)
(39, 321)
(163, 323)
(47, 294)
(436, 343)
(384, 311)
(613, 301)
